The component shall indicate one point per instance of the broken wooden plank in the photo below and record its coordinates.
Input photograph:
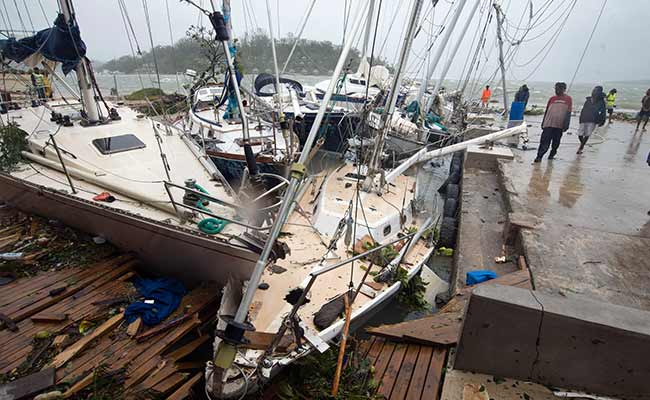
(27, 386)
(184, 391)
(79, 385)
(134, 327)
(81, 344)
(188, 348)
(48, 317)
(58, 341)
(162, 328)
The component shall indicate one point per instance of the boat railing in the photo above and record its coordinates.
(202, 195)
(313, 276)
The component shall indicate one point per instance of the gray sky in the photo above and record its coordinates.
(618, 50)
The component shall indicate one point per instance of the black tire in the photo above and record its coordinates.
(447, 233)
(453, 191)
(451, 205)
(454, 177)
(455, 165)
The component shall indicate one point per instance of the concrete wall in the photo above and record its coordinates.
(576, 344)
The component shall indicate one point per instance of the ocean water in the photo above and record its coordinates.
(629, 93)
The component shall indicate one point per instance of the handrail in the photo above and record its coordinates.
(208, 212)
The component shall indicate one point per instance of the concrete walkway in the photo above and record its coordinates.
(594, 239)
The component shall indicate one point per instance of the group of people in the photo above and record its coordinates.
(597, 109)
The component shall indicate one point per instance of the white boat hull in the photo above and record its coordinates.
(164, 248)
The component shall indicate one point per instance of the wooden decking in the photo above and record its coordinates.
(406, 371)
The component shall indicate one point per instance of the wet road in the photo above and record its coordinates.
(594, 239)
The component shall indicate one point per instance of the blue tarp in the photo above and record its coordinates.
(474, 277)
(166, 294)
(61, 43)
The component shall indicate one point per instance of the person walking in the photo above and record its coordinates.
(611, 103)
(557, 118)
(644, 114)
(592, 115)
(485, 96)
(522, 95)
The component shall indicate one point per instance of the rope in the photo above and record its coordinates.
(153, 48)
(29, 16)
(211, 226)
(602, 8)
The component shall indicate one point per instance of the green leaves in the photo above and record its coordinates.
(13, 141)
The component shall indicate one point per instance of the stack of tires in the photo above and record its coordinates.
(451, 190)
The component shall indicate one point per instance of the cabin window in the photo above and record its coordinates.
(387, 230)
(118, 144)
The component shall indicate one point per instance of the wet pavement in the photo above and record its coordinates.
(594, 239)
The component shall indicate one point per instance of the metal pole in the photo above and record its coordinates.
(296, 177)
(450, 60)
(83, 72)
(278, 91)
(501, 60)
(65, 170)
(441, 47)
(295, 44)
(394, 91)
(366, 38)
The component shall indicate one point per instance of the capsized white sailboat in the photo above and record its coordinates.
(143, 185)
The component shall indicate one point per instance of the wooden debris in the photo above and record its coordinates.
(58, 341)
(187, 349)
(8, 323)
(81, 344)
(27, 386)
(46, 317)
(184, 391)
(134, 327)
(79, 386)
(162, 328)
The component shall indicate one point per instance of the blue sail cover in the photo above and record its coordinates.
(61, 43)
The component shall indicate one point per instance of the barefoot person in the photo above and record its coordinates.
(592, 115)
(556, 121)
(644, 114)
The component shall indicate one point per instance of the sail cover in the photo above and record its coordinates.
(61, 43)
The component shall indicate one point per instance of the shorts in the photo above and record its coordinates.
(644, 114)
(586, 128)
(610, 110)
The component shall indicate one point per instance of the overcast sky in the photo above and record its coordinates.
(618, 51)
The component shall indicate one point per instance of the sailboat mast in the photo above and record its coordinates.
(441, 47)
(366, 37)
(83, 72)
(454, 50)
(502, 66)
(394, 93)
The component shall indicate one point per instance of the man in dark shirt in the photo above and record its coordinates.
(644, 114)
(556, 121)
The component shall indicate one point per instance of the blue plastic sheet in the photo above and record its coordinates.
(166, 294)
(474, 277)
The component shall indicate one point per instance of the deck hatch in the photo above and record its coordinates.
(118, 144)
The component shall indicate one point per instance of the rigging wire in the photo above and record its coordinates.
(171, 43)
(602, 9)
(11, 28)
(128, 35)
(47, 21)
(20, 16)
(29, 16)
(153, 48)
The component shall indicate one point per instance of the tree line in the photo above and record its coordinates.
(253, 52)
